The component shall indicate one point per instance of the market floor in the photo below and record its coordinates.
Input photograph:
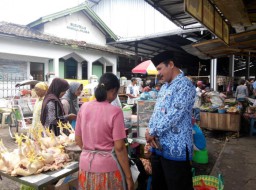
(237, 163)
(6, 184)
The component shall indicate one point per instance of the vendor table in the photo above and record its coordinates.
(217, 121)
(40, 181)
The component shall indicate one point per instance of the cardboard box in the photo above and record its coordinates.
(73, 185)
(64, 186)
(61, 185)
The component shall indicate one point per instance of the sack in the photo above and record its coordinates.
(134, 170)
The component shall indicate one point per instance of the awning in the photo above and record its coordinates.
(240, 44)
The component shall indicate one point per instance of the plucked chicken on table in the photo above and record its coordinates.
(38, 151)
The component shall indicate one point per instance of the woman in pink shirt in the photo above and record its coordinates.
(99, 131)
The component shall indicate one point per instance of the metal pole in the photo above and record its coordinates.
(214, 74)
(211, 75)
(231, 65)
(136, 53)
(248, 67)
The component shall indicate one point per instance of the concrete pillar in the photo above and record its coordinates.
(231, 65)
(214, 74)
(114, 68)
(28, 70)
(46, 68)
(56, 67)
(104, 67)
(89, 69)
(79, 70)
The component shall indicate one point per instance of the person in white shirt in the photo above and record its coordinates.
(132, 91)
(198, 100)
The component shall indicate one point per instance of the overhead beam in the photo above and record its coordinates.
(235, 11)
(161, 47)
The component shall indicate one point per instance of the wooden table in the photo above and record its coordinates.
(40, 181)
(217, 121)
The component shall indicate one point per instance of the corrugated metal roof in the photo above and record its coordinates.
(149, 46)
(240, 14)
(173, 10)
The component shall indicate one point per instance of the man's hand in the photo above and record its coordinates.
(150, 139)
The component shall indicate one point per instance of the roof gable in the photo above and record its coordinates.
(26, 33)
(87, 11)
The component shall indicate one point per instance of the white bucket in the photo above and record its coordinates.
(127, 111)
(142, 131)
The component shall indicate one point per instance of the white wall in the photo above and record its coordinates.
(76, 26)
(132, 18)
(32, 51)
(37, 51)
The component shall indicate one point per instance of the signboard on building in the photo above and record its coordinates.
(78, 28)
(206, 13)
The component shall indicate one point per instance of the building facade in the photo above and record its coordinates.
(71, 44)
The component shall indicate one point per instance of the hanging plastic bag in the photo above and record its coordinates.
(135, 171)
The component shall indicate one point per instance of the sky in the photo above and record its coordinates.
(26, 11)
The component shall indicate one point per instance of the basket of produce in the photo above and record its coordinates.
(230, 102)
(206, 182)
(213, 110)
(205, 108)
(232, 110)
(250, 109)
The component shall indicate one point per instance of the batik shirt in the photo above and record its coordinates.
(171, 121)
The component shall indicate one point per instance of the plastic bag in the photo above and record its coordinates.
(135, 171)
(215, 99)
(144, 96)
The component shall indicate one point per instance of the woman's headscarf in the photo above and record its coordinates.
(71, 97)
(57, 86)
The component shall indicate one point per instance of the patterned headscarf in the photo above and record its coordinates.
(71, 97)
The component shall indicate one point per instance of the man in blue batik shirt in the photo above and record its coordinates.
(170, 127)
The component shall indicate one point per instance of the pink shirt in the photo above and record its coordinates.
(99, 124)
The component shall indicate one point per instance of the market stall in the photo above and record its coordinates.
(220, 121)
(218, 113)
